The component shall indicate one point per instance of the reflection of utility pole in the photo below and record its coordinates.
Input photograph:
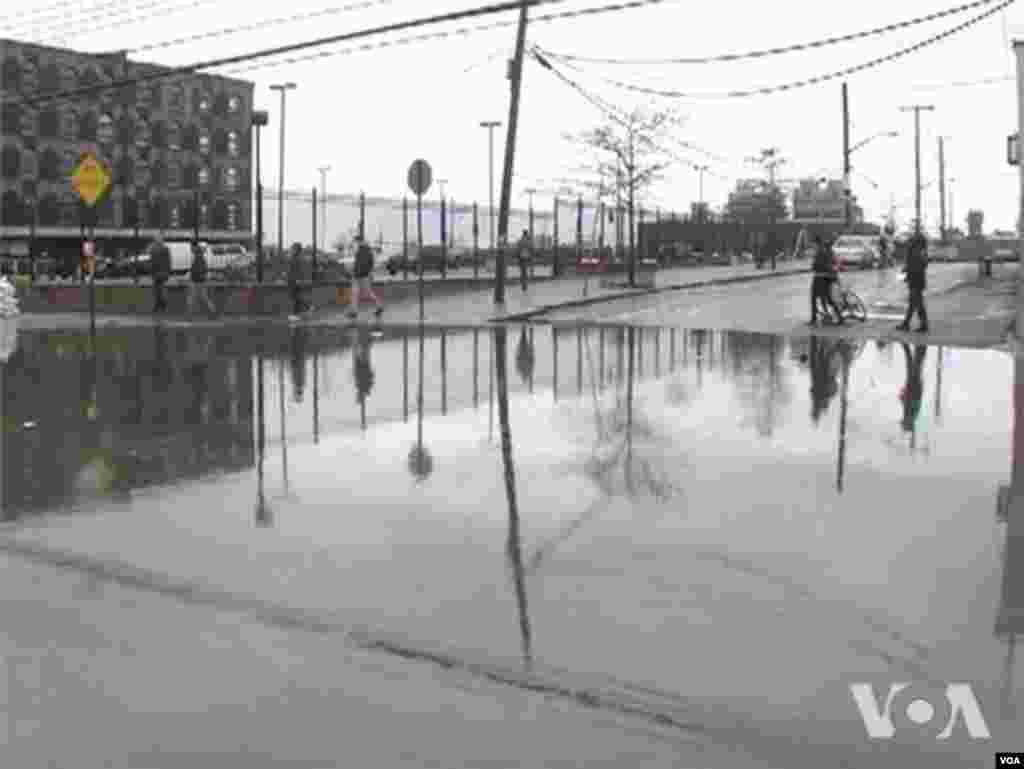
(284, 439)
(843, 400)
(938, 388)
(316, 397)
(513, 546)
(262, 508)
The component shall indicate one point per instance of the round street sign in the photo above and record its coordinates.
(420, 177)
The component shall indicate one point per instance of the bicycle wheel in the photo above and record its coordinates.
(855, 307)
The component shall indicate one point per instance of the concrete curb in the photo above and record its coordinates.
(518, 317)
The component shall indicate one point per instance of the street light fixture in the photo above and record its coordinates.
(888, 134)
(283, 89)
(490, 125)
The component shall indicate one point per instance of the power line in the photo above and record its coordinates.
(257, 25)
(51, 27)
(33, 17)
(152, 9)
(964, 83)
(814, 80)
(458, 31)
(782, 49)
(187, 69)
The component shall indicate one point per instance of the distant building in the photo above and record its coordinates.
(167, 142)
(817, 203)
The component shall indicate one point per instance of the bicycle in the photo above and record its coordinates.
(850, 305)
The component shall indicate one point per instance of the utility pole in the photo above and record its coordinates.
(516, 76)
(942, 190)
(323, 207)
(916, 109)
(283, 88)
(846, 159)
(700, 203)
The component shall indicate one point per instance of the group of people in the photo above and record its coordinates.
(198, 295)
(826, 275)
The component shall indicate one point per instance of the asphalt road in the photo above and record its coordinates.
(961, 306)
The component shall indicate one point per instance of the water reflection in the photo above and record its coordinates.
(913, 389)
(420, 461)
(362, 371)
(263, 513)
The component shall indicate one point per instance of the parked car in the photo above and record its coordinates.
(124, 266)
(857, 251)
(432, 256)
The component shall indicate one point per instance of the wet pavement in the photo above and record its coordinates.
(706, 534)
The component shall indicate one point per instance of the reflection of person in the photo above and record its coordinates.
(824, 384)
(913, 390)
(298, 363)
(524, 356)
(294, 278)
(915, 267)
(362, 368)
(160, 262)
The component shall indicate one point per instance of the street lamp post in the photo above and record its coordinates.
(490, 125)
(259, 119)
(323, 207)
(283, 89)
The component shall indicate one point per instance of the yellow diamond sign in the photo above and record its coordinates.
(91, 178)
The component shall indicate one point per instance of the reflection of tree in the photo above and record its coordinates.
(514, 544)
(761, 384)
(622, 430)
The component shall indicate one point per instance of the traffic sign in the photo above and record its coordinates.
(420, 177)
(91, 178)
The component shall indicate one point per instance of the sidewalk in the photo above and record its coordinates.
(477, 307)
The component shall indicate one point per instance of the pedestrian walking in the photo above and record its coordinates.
(362, 279)
(914, 269)
(294, 280)
(821, 284)
(160, 263)
(525, 253)
(197, 292)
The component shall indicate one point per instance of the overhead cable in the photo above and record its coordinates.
(757, 54)
(543, 18)
(152, 9)
(672, 94)
(257, 25)
(188, 69)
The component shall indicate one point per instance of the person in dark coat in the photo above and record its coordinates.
(525, 254)
(294, 279)
(914, 268)
(822, 282)
(197, 293)
(160, 261)
(362, 279)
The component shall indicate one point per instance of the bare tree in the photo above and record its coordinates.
(628, 156)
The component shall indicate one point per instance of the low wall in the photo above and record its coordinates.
(230, 299)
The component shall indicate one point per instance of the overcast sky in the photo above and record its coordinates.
(369, 113)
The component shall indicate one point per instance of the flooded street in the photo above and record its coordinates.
(714, 533)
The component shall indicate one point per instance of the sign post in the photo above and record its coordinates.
(91, 180)
(419, 178)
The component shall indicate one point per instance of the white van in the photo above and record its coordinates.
(181, 256)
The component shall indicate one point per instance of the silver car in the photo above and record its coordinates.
(857, 251)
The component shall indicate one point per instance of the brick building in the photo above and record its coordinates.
(168, 142)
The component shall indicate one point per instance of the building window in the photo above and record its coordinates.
(204, 214)
(234, 104)
(174, 175)
(69, 125)
(10, 119)
(204, 104)
(234, 144)
(220, 215)
(190, 177)
(90, 77)
(12, 209)
(234, 216)
(190, 138)
(143, 138)
(11, 74)
(204, 142)
(10, 163)
(125, 130)
(230, 180)
(175, 216)
(49, 78)
(48, 214)
(29, 166)
(68, 162)
(105, 130)
(49, 123)
(158, 174)
(68, 79)
(129, 211)
(220, 104)
(158, 134)
(87, 127)
(49, 165)
(204, 176)
(141, 177)
(176, 97)
(124, 174)
(174, 136)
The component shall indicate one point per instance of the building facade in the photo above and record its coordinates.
(178, 149)
(815, 202)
